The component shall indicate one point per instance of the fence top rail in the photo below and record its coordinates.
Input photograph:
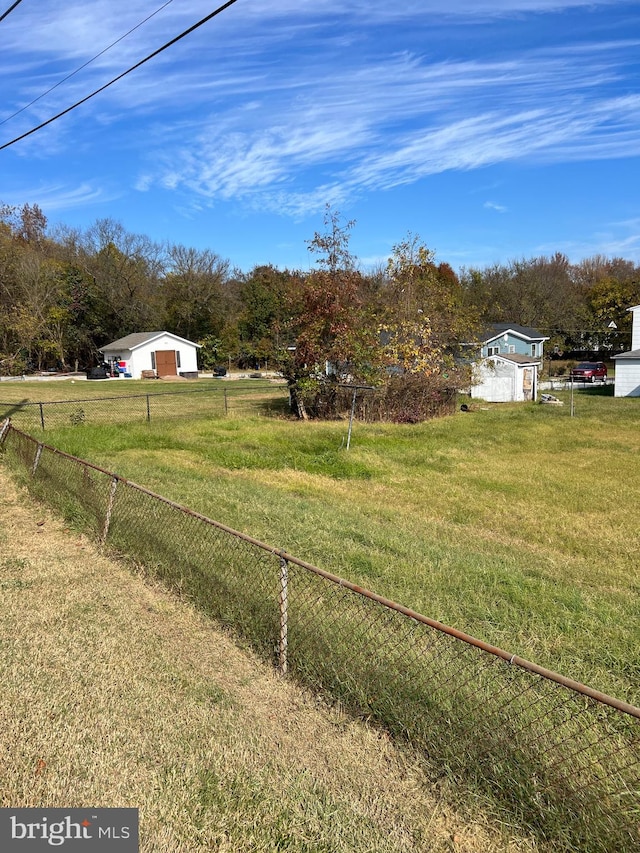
(24, 404)
(512, 659)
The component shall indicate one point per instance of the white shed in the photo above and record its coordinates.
(163, 353)
(505, 378)
(627, 380)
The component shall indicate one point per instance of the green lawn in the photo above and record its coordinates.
(37, 406)
(36, 391)
(515, 523)
(120, 694)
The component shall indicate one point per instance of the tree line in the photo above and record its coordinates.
(65, 292)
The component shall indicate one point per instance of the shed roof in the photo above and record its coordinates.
(137, 339)
(516, 358)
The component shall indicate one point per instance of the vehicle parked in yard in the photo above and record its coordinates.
(589, 371)
(100, 372)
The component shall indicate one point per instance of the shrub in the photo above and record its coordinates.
(404, 398)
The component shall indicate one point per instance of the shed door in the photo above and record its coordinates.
(166, 362)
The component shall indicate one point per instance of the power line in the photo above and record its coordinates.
(10, 9)
(124, 74)
(93, 59)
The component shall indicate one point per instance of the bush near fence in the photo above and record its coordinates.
(563, 759)
(196, 403)
(406, 398)
(410, 399)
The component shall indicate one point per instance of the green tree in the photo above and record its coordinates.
(332, 245)
(263, 317)
(209, 352)
(331, 336)
(541, 292)
(193, 292)
(609, 300)
(427, 318)
(127, 270)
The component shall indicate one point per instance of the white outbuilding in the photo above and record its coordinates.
(506, 378)
(163, 353)
(627, 379)
(509, 364)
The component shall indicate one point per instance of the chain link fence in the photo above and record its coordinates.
(129, 408)
(561, 758)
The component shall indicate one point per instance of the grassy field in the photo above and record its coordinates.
(488, 515)
(115, 693)
(514, 523)
(38, 406)
(36, 391)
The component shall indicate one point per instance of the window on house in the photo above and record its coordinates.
(493, 350)
(178, 358)
(153, 361)
(534, 350)
(512, 348)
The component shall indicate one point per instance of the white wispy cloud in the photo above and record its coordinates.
(615, 242)
(59, 197)
(380, 9)
(393, 123)
(492, 205)
(284, 106)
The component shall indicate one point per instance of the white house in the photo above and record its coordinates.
(163, 353)
(511, 356)
(627, 379)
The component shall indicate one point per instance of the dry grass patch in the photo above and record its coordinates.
(115, 693)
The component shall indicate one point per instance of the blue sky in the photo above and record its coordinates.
(492, 129)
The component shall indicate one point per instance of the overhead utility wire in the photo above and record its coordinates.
(120, 76)
(10, 9)
(88, 62)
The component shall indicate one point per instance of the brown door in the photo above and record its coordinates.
(166, 362)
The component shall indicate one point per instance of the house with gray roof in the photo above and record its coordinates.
(512, 339)
(156, 353)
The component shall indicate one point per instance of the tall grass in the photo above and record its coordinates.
(119, 694)
(514, 523)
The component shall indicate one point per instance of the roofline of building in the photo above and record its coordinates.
(522, 335)
(510, 358)
(152, 337)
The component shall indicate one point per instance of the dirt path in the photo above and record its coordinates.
(114, 693)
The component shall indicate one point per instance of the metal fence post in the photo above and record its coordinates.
(353, 409)
(284, 608)
(107, 519)
(148, 409)
(4, 429)
(36, 460)
(41, 415)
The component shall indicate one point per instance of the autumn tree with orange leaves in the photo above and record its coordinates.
(341, 337)
(331, 331)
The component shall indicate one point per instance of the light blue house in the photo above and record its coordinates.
(510, 359)
(511, 339)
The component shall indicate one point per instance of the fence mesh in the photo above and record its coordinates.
(232, 400)
(564, 760)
